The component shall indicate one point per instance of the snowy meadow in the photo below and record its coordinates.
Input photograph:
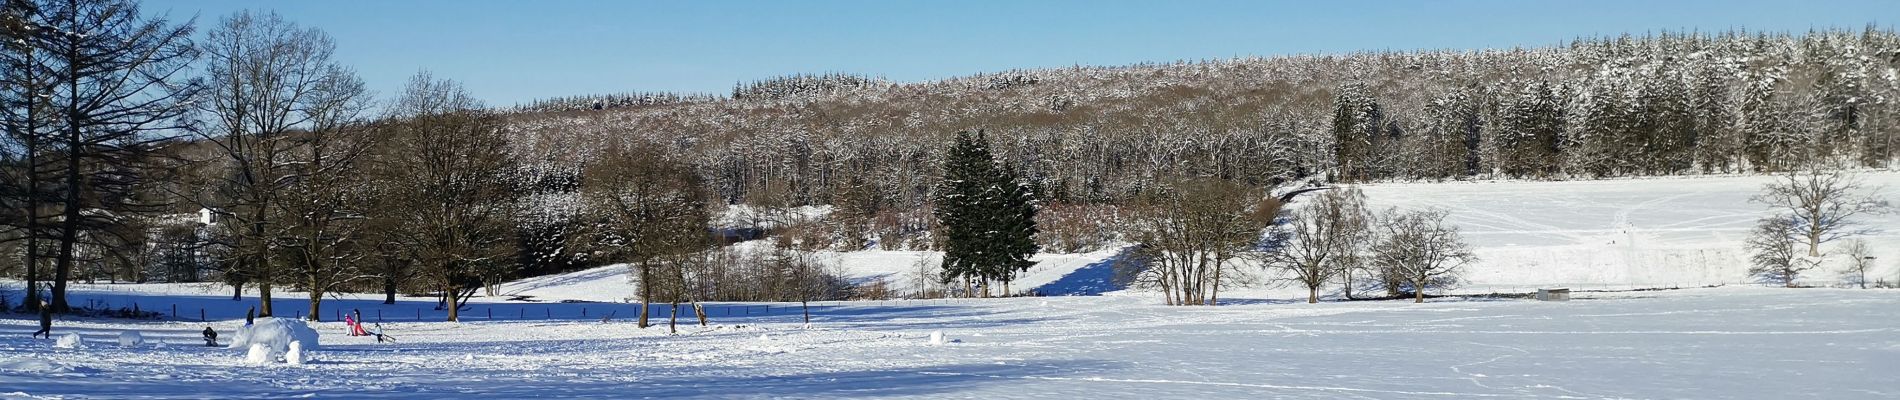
(1730, 342)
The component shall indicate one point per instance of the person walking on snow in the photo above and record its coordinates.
(46, 321)
(351, 322)
(211, 337)
(250, 316)
(356, 328)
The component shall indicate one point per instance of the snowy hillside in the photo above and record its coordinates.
(1636, 233)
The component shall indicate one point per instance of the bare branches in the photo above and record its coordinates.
(1193, 232)
(1323, 239)
(1421, 249)
(1822, 204)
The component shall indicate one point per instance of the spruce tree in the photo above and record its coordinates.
(987, 216)
(958, 200)
(1015, 218)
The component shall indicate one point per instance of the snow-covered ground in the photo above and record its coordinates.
(1609, 234)
(1733, 342)
(573, 337)
(1660, 232)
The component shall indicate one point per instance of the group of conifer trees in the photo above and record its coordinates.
(987, 215)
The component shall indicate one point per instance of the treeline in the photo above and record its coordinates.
(1672, 103)
(135, 149)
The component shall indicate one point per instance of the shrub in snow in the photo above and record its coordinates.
(131, 339)
(275, 335)
(71, 340)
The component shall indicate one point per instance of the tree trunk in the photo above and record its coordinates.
(316, 303)
(63, 262)
(1345, 275)
(455, 313)
(646, 295)
(237, 291)
(1418, 291)
(32, 263)
(1312, 295)
(389, 290)
(807, 306)
(673, 319)
(263, 298)
(699, 311)
(1213, 292)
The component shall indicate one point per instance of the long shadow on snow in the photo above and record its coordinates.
(580, 382)
(598, 273)
(1090, 280)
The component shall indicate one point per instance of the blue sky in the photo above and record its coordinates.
(507, 52)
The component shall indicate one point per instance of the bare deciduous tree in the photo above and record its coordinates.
(648, 210)
(279, 106)
(1193, 232)
(1822, 204)
(444, 175)
(1861, 259)
(1322, 238)
(1420, 248)
(1774, 256)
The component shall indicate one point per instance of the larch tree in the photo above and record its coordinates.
(27, 116)
(119, 89)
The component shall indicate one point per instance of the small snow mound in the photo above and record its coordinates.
(69, 341)
(131, 339)
(275, 335)
(936, 338)
(258, 354)
(295, 355)
(764, 337)
(37, 366)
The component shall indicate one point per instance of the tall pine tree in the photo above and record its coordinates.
(987, 217)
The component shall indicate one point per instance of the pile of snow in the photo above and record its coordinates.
(70, 341)
(38, 367)
(936, 338)
(274, 338)
(295, 356)
(131, 339)
(257, 355)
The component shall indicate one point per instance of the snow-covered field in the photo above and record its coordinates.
(1732, 342)
(575, 338)
(1660, 232)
